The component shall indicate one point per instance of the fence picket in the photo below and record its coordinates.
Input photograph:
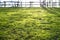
(21, 4)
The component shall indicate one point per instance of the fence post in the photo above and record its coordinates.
(17, 3)
(40, 3)
(21, 4)
(14, 4)
(59, 3)
(31, 3)
(4, 3)
(52, 4)
(0, 3)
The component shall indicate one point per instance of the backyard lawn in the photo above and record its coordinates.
(29, 23)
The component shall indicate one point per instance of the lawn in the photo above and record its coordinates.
(29, 23)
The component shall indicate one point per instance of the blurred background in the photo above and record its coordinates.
(29, 3)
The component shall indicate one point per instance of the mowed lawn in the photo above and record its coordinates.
(29, 23)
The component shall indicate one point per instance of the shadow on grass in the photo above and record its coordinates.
(56, 9)
(52, 10)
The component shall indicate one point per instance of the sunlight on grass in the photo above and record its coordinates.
(29, 24)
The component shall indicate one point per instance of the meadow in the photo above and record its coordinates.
(30, 23)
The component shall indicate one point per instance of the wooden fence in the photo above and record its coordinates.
(28, 4)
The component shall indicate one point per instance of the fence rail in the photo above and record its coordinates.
(28, 4)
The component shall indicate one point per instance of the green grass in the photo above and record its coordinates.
(29, 23)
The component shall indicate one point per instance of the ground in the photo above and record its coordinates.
(29, 23)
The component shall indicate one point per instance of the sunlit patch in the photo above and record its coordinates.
(10, 13)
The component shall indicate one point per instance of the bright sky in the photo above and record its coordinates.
(26, 0)
(20, 0)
